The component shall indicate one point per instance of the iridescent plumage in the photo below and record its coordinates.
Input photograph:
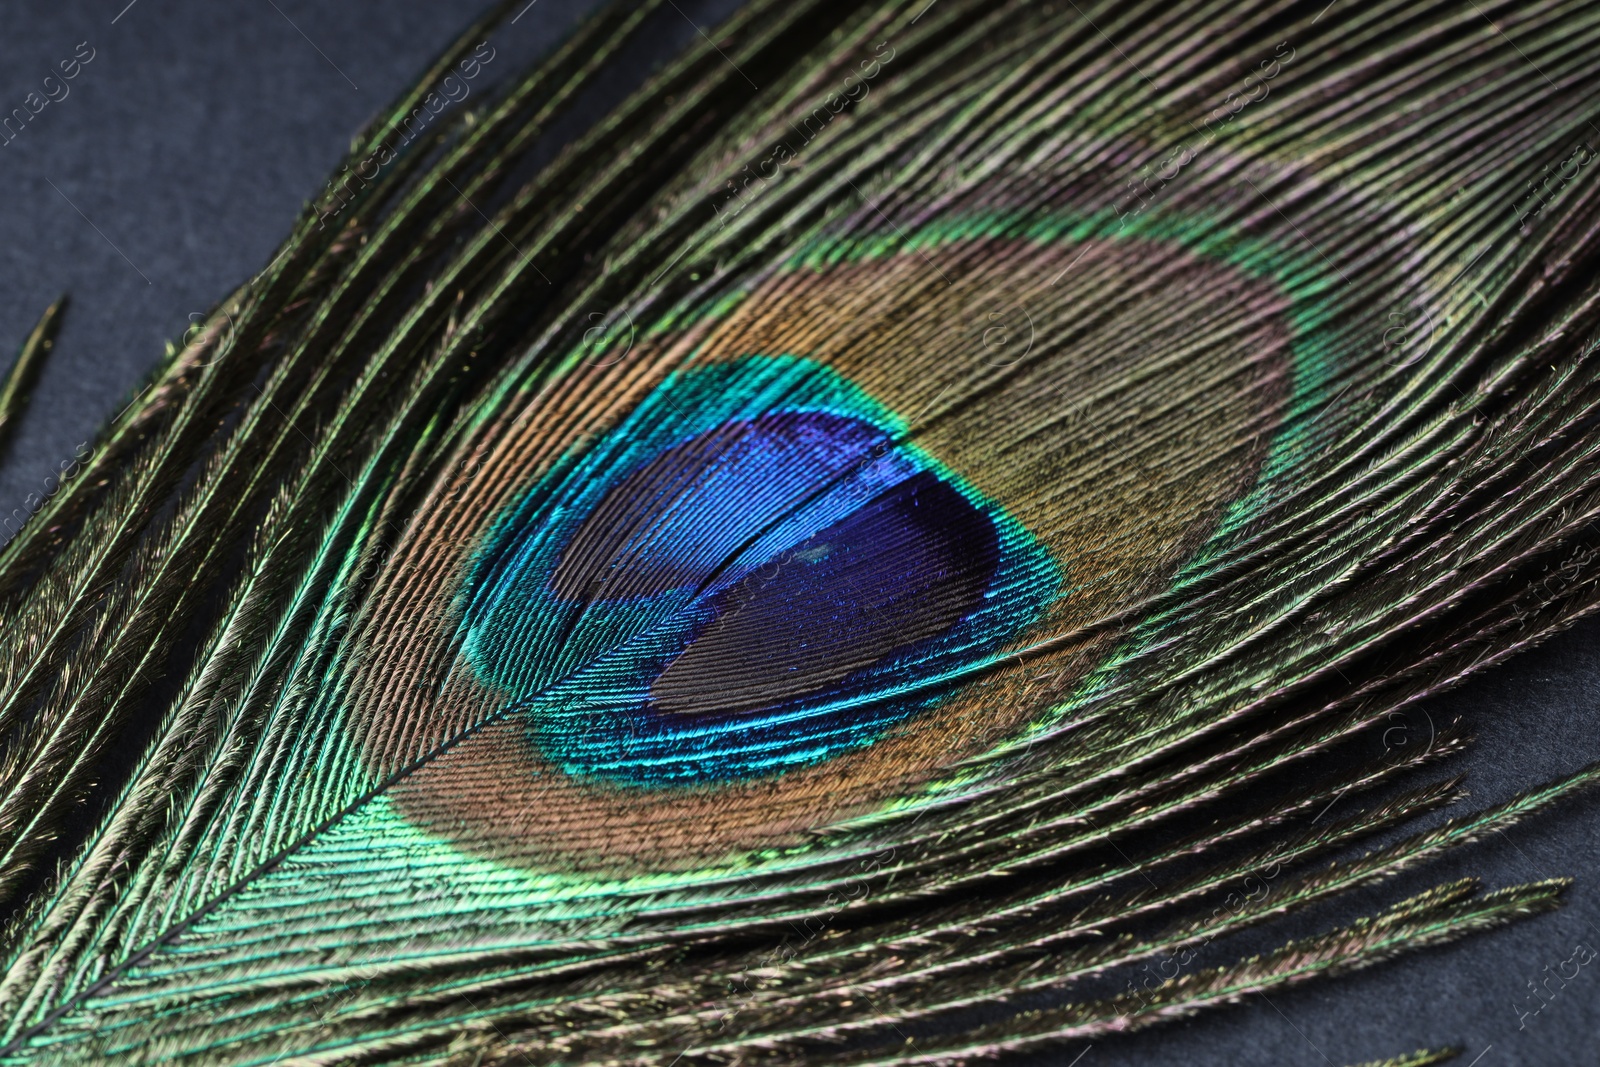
(819, 561)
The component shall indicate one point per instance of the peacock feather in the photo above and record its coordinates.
(840, 567)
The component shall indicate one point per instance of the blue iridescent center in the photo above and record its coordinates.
(708, 595)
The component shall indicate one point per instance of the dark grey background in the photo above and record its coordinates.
(179, 161)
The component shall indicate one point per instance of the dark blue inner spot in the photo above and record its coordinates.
(673, 520)
(767, 593)
(906, 567)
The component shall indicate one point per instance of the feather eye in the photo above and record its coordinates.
(754, 564)
(981, 542)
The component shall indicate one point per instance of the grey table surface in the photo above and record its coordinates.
(179, 158)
